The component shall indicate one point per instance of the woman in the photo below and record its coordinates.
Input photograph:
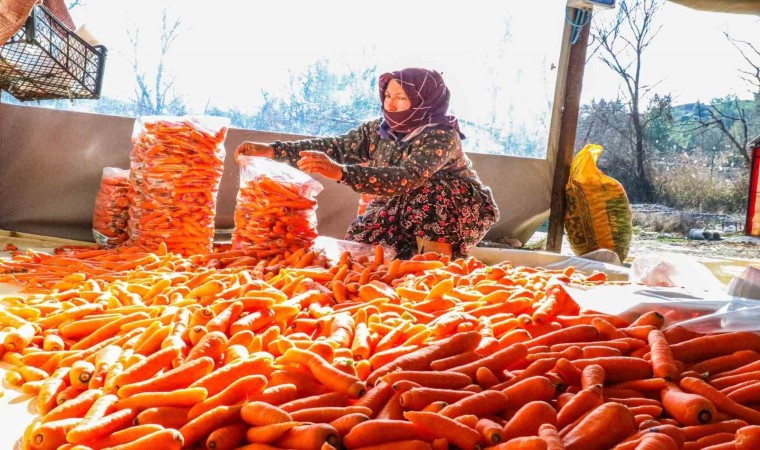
(425, 194)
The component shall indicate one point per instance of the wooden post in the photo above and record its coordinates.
(573, 85)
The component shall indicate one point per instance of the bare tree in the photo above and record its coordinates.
(620, 46)
(156, 96)
(730, 119)
(749, 52)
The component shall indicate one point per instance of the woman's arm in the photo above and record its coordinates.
(350, 148)
(429, 157)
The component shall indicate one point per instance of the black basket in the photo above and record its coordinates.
(44, 60)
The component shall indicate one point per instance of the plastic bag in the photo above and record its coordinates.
(333, 249)
(598, 211)
(111, 212)
(176, 167)
(276, 209)
(747, 284)
(674, 271)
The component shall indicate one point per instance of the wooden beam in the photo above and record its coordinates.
(573, 85)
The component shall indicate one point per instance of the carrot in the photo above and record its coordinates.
(211, 345)
(177, 398)
(46, 397)
(238, 391)
(207, 422)
(706, 347)
(602, 428)
(331, 399)
(168, 439)
(491, 433)
(568, 371)
(720, 400)
(581, 403)
(527, 420)
(689, 409)
(440, 380)
(479, 404)
(745, 394)
(748, 437)
(531, 389)
(522, 443)
(392, 409)
(216, 381)
(327, 374)
(327, 414)
(418, 398)
(94, 428)
(663, 363)
(375, 432)
(495, 362)
(592, 374)
(147, 367)
(656, 441)
(259, 414)
(166, 416)
(726, 363)
(619, 368)
(376, 397)
(51, 435)
(652, 318)
(575, 333)
(345, 423)
(692, 433)
(267, 434)
(421, 359)
(227, 437)
(549, 433)
(309, 436)
(439, 426)
(180, 377)
(651, 384)
(76, 407)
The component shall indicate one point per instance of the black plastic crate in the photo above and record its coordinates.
(44, 60)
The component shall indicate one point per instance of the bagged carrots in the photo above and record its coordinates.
(276, 207)
(176, 168)
(109, 218)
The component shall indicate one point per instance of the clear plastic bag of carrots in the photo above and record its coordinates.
(111, 212)
(276, 209)
(176, 168)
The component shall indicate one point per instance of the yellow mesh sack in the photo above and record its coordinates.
(598, 211)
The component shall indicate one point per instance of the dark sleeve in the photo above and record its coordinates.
(424, 160)
(350, 148)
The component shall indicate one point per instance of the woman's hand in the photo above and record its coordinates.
(318, 162)
(248, 148)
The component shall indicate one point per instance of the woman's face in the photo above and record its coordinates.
(395, 98)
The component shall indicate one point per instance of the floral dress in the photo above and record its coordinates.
(422, 186)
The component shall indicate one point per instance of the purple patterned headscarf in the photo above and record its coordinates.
(429, 97)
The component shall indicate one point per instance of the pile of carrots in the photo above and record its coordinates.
(111, 212)
(273, 216)
(175, 171)
(131, 350)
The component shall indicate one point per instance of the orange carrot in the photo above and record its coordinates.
(207, 422)
(602, 428)
(527, 420)
(238, 391)
(720, 400)
(259, 413)
(168, 439)
(689, 409)
(166, 416)
(439, 426)
(663, 363)
(180, 377)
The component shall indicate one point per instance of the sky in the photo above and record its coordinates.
(228, 51)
